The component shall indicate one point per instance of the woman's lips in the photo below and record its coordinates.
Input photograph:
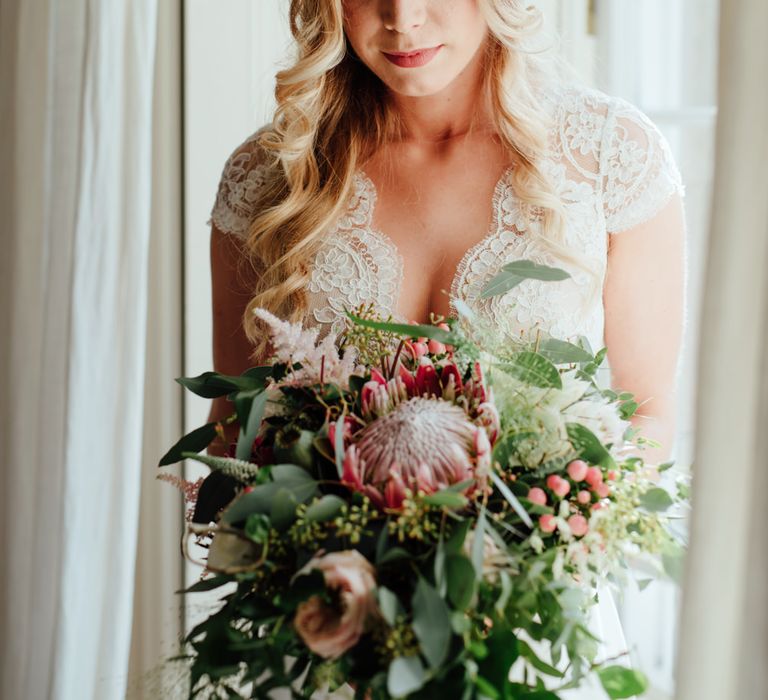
(412, 59)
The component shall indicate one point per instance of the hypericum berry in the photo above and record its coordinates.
(612, 475)
(594, 476)
(419, 350)
(583, 497)
(559, 486)
(435, 347)
(537, 495)
(577, 469)
(602, 490)
(547, 523)
(578, 525)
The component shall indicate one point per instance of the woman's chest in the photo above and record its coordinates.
(433, 216)
(444, 244)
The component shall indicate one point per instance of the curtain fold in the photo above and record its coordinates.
(76, 185)
(724, 637)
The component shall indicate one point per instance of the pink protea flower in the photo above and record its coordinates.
(422, 444)
(427, 428)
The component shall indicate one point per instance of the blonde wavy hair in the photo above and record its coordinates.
(332, 115)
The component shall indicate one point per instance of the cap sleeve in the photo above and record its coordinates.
(241, 185)
(638, 170)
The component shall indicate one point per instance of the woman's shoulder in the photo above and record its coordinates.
(241, 185)
(569, 101)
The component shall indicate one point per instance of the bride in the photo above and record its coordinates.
(418, 146)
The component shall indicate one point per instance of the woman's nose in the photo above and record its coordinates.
(402, 16)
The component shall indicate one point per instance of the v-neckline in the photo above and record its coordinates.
(494, 227)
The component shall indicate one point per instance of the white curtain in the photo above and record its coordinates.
(724, 641)
(75, 136)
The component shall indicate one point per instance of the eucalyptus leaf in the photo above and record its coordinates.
(431, 623)
(533, 369)
(656, 500)
(478, 543)
(449, 499)
(251, 430)
(211, 385)
(195, 441)
(388, 604)
(536, 662)
(455, 541)
(562, 352)
(622, 682)
(405, 675)
(409, 330)
(283, 509)
(327, 508)
(512, 274)
(460, 575)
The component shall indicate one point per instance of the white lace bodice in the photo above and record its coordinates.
(611, 166)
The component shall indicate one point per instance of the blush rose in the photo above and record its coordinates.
(331, 631)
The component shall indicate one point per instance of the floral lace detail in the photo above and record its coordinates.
(355, 266)
(241, 183)
(640, 174)
(611, 167)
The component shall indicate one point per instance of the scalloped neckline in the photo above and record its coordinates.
(493, 231)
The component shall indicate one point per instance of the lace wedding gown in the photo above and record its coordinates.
(613, 170)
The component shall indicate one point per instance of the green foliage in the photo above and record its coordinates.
(512, 274)
(195, 441)
(656, 500)
(249, 427)
(621, 682)
(533, 369)
(431, 623)
(590, 449)
(406, 674)
(211, 385)
(408, 330)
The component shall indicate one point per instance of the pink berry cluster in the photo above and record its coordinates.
(586, 487)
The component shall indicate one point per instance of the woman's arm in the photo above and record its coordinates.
(232, 285)
(644, 298)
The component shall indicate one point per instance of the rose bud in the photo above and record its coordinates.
(577, 469)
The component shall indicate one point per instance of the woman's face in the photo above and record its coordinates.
(416, 47)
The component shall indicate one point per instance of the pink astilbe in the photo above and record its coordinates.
(321, 360)
(189, 489)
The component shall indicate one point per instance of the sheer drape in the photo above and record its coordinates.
(724, 643)
(76, 141)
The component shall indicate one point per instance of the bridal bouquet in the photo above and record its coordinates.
(419, 511)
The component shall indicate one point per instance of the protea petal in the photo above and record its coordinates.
(408, 380)
(394, 492)
(450, 375)
(427, 381)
